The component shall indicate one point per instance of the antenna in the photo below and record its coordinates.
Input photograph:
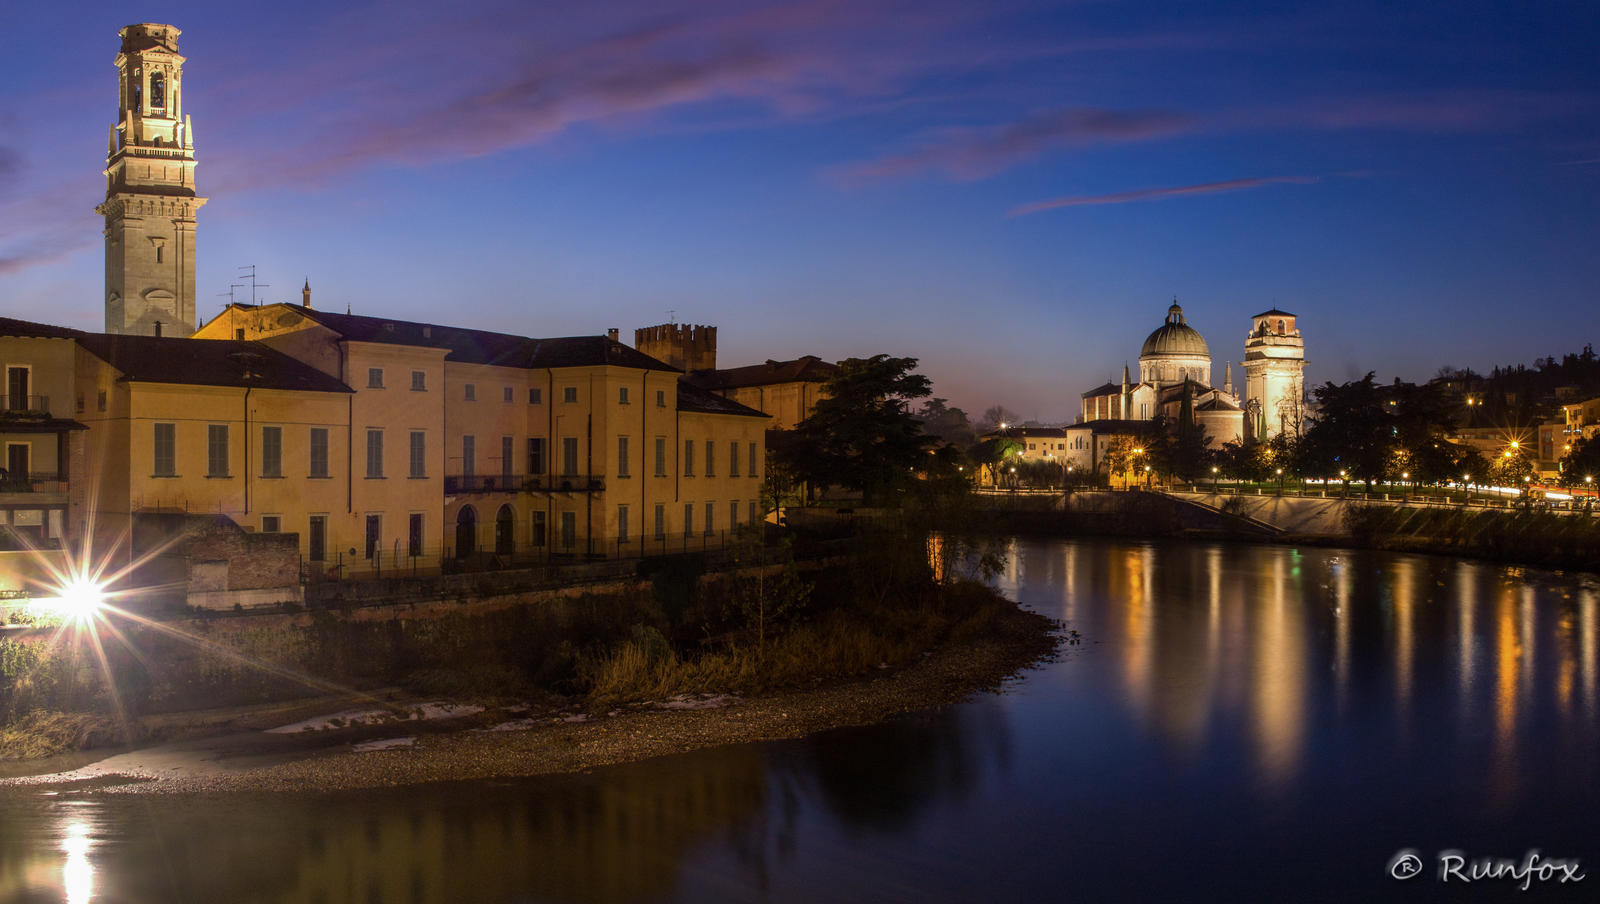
(672, 316)
(253, 284)
(229, 293)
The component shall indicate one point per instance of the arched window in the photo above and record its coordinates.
(158, 91)
(1280, 328)
(503, 527)
(466, 532)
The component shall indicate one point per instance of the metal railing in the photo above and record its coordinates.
(463, 484)
(24, 404)
(31, 483)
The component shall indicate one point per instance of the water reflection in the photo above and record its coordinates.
(1232, 706)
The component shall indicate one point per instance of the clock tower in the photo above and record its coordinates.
(150, 196)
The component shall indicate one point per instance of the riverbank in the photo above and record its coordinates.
(563, 741)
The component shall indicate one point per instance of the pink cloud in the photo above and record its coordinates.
(976, 153)
(1159, 194)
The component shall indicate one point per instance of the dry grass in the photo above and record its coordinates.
(42, 733)
(836, 645)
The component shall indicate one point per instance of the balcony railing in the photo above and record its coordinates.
(31, 483)
(564, 483)
(24, 404)
(462, 484)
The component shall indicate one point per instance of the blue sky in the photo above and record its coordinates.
(1011, 192)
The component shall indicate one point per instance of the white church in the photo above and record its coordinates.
(1175, 372)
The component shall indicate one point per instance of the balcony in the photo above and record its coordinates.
(48, 484)
(467, 484)
(28, 406)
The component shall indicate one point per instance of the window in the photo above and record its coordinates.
(374, 453)
(661, 398)
(271, 451)
(569, 394)
(319, 453)
(753, 470)
(535, 396)
(270, 524)
(569, 530)
(17, 388)
(688, 458)
(752, 511)
(419, 381)
(317, 538)
(414, 535)
(166, 451)
(711, 458)
(507, 395)
(536, 536)
(569, 456)
(374, 535)
(622, 457)
(102, 401)
(217, 450)
(536, 455)
(733, 515)
(622, 524)
(469, 455)
(239, 334)
(472, 392)
(374, 378)
(661, 456)
(711, 516)
(508, 459)
(688, 520)
(733, 459)
(622, 395)
(419, 453)
(661, 521)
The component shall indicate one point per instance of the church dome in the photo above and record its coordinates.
(1175, 337)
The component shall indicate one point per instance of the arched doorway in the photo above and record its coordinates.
(466, 532)
(503, 522)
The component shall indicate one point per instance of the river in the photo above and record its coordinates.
(1238, 723)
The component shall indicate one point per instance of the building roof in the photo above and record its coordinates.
(809, 368)
(483, 346)
(693, 398)
(1217, 403)
(221, 362)
(31, 330)
(1175, 337)
(1104, 390)
(1025, 432)
(1273, 313)
(1114, 425)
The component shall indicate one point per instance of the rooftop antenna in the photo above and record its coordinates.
(672, 316)
(253, 284)
(231, 302)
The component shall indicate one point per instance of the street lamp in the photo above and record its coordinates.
(1213, 478)
(1344, 481)
(1465, 485)
(1147, 477)
(1280, 481)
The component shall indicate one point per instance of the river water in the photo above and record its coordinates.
(1239, 723)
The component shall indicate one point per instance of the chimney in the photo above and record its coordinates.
(612, 334)
(305, 294)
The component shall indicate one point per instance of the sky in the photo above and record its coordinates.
(1011, 192)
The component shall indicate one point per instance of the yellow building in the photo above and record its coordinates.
(41, 491)
(472, 444)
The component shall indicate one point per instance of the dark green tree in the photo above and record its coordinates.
(947, 424)
(1582, 462)
(862, 434)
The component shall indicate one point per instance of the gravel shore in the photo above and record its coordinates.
(550, 745)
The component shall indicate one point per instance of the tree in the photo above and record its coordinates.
(995, 415)
(991, 455)
(947, 424)
(862, 434)
(1582, 462)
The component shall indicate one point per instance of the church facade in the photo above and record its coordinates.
(1175, 382)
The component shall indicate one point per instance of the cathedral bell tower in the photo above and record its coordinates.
(150, 198)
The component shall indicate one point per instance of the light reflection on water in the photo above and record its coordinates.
(1272, 719)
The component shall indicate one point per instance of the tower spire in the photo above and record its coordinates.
(150, 200)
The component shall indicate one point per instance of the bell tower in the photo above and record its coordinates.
(1274, 376)
(150, 197)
